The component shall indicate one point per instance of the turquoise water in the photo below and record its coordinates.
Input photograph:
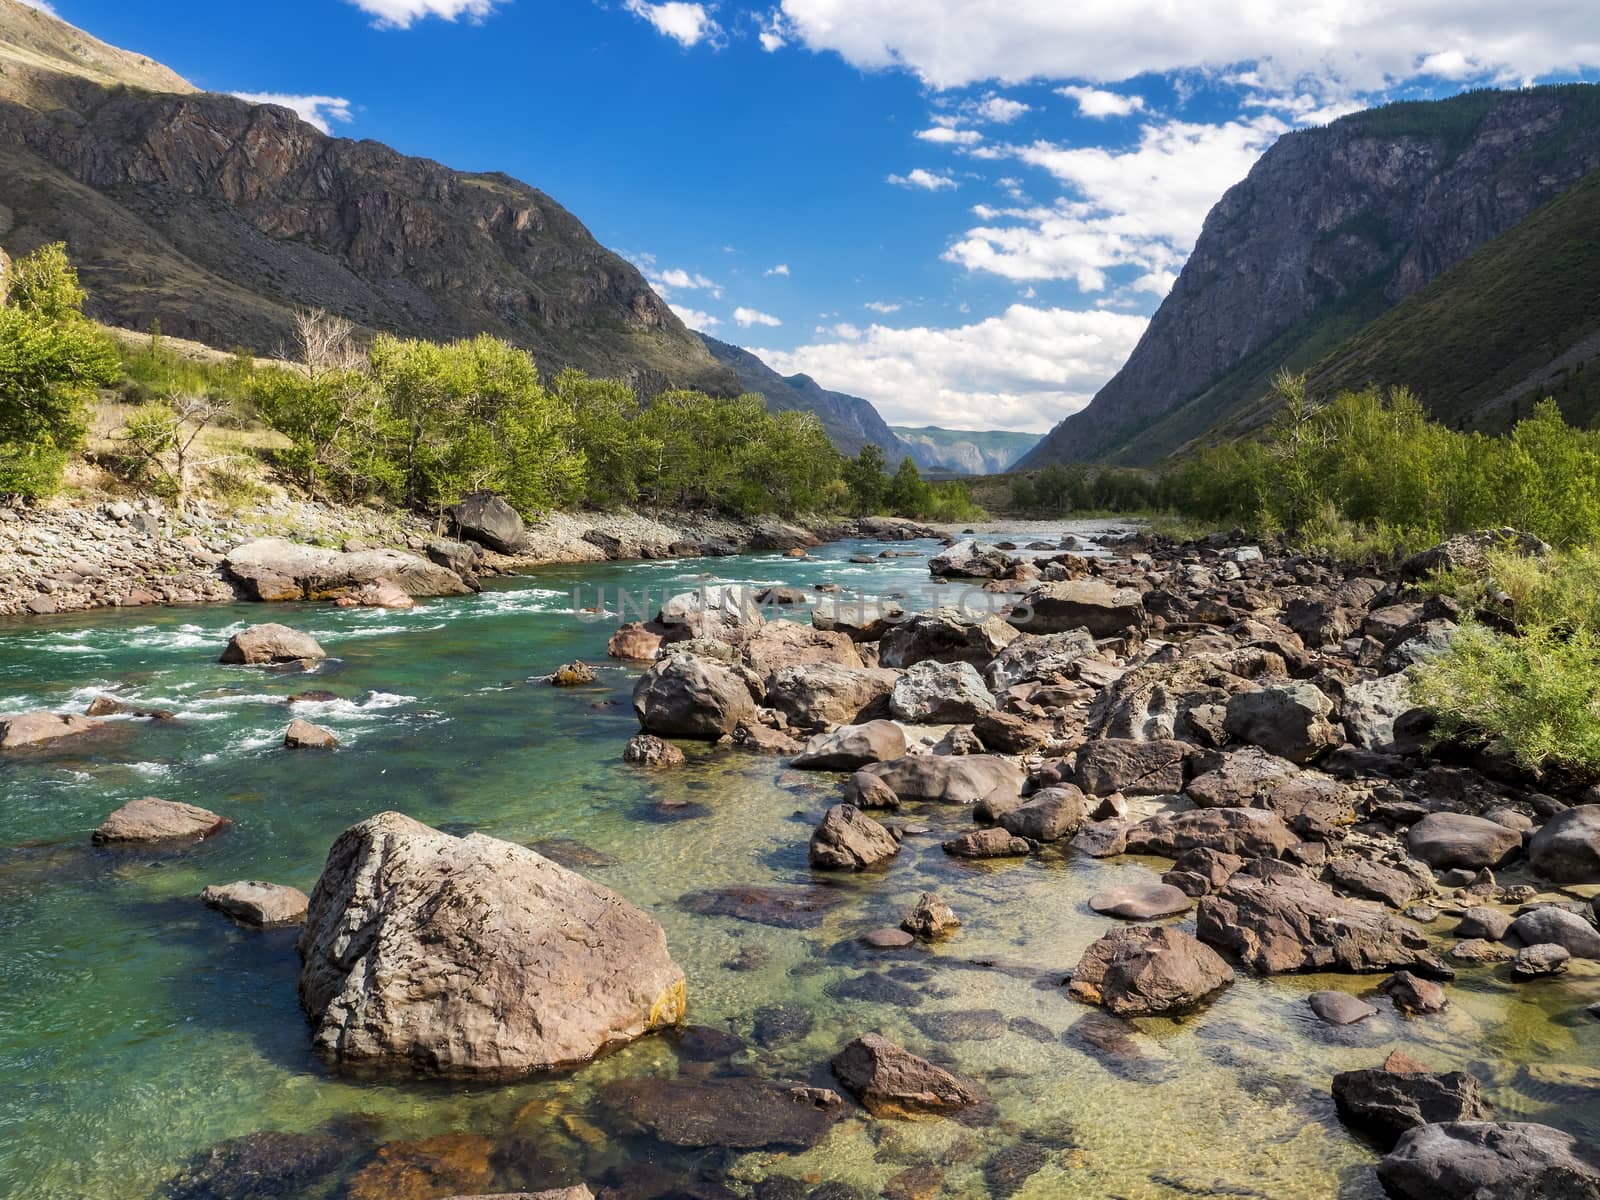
(137, 1027)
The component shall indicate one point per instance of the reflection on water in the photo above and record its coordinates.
(137, 1028)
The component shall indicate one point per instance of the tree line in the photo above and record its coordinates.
(419, 423)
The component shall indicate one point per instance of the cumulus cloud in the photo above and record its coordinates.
(944, 135)
(878, 306)
(686, 24)
(926, 180)
(676, 279)
(780, 269)
(402, 14)
(1000, 110)
(773, 31)
(320, 111)
(746, 317)
(1093, 102)
(1358, 47)
(694, 318)
(1142, 206)
(1024, 369)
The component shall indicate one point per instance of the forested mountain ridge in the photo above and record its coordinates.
(218, 217)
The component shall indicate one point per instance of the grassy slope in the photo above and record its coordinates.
(1476, 344)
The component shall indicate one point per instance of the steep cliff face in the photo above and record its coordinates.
(851, 422)
(1332, 227)
(219, 218)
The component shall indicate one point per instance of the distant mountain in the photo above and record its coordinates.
(1332, 228)
(851, 422)
(218, 218)
(964, 451)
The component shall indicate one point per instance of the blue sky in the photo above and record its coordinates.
(963, 210)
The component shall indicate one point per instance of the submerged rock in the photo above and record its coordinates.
(151, 820)
(786, 908)
(1340, 1008)
(423, 950)
(1149, 971)
(739, 1113)
(1483, 1160)
(259, 1166)
(890, 1081)
(264, 905)
(1141, 902)
(264, 645)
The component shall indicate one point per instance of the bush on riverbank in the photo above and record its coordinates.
(1524, 673)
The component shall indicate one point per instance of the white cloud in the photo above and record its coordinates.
(1092, 102)
(694, 318)
(944, 135)
(1001, 110)
(926, 180)
(780, 269)
(878, 306)
(1157, 283)
(686, 24)
(1024, 369)
(320, 111)
(401, 14)
(1359, 47)
(747, 317)
(773, 31)
(1143, 206)
(676, 279)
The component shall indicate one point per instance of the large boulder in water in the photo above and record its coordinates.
(274, 569)
(151, 821)
(264, 645)
(22, 730)
(1149, 971)
(968, 560)
(485, 518)
(719, 614)
(1489, 1160)
(1291, 922)
(849, 840)
(685, 696)
(473, 956)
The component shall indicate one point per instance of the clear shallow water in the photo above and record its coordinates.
(137, 1027)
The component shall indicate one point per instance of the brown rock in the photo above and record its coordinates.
(892, 1082)
(262, 645)
(39, 728)
(849, 840)
(152, 820)
(303, 735)
(1149, 971)
(265, 905)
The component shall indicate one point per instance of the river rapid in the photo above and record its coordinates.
(138, 1027)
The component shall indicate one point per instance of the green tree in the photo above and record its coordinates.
(909, 494)
(51, 362)
(867, 480)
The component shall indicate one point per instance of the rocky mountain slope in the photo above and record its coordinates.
(965, 451)
(1482, 344)
(1331, 228)
(851, 422)
(218, 218)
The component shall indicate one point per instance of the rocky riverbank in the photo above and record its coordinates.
(1241, 714)
(128, 553)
